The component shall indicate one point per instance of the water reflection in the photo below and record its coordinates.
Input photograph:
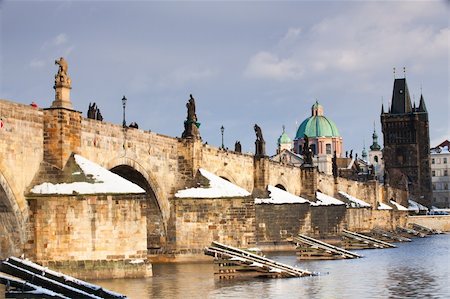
(409, 282)
(419, 269)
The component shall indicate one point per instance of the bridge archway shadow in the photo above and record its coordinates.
(156, 232)
(11, 239)
(279, 186)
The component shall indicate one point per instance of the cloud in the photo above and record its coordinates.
(180, 77)
(367, 38)
(57, 41)
(37, 63)
(60, 39)
(269, 66)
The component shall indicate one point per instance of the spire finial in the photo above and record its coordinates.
(284, 128)
(404, 72)
(394, 73)
(421, 92)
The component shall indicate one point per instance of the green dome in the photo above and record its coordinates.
(284, 139)
(317, 126)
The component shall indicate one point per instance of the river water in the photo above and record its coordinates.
(417, 269)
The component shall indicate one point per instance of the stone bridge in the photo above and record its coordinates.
(33, 141)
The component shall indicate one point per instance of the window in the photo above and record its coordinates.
(445, 172)
(445, 160)
(328, 148)
(432, 161)
(313, 148)
(445, 186)
(434, 186)
(375, 159)
(433, 173)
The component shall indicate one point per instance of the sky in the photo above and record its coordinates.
(245, 62)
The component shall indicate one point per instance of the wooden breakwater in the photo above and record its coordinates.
(25, 279)
(231, 262)
(388, 236)
(352, 240)
(310, 248)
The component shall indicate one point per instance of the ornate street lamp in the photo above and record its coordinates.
(222, 129)
(124, 104)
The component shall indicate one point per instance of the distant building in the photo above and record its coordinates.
(323, 136)
(440, 175)
(376, 158)
(284, 151)
(406, 139)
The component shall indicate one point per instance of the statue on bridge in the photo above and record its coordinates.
(238, 147)
(191, 124)
(62, 86)
(62, 76)
(260, 144)
(307, 152)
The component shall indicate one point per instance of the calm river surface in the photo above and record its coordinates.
(418, 269)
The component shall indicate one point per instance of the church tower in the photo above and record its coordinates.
(406, 150)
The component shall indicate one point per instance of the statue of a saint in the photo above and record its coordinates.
(62, 66)
(259, 136)
(307, 152)
(191, 116)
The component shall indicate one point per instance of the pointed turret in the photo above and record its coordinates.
(422, 107)
(375, 146)
(401, 101)
(382, 108)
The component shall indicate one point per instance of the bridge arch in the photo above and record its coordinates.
(12, 232)
(158, 208)
(280, 186)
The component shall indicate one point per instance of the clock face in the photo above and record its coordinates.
(401, 90)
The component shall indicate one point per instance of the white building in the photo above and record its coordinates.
(440, 175)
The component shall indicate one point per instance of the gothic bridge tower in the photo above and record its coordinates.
(406, 150)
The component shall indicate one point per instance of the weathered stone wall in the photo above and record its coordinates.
(236, 167)
(198, 222)
(78, 228)
(276, 223)
(371, 192)
(326, 221)
(439, 222)
(286, 175)
(155, 156)
(21, 152)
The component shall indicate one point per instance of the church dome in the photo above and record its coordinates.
(317, 125)
(284, 139)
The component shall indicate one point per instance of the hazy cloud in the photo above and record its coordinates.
(37, 63)
(269, 66)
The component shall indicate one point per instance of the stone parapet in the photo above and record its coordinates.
(102, 269)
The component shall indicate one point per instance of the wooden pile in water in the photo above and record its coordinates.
(352, 240)
(25, 279)
(388, 236)
(424, 229)
(231, 262)
(310, 248)
(404, 231)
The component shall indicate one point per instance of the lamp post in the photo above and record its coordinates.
(222, 129)
(124, 104)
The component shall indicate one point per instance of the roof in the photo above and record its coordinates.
(217, 188)
(279, 196)
(326, 200)
(354, 202)
(401, 101)
(87, 177)
(284, 138)
(317, 126)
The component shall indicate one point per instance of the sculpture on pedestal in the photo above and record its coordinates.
(260, 144)
(191, 124)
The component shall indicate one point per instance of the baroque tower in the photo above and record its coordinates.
(406, 150)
